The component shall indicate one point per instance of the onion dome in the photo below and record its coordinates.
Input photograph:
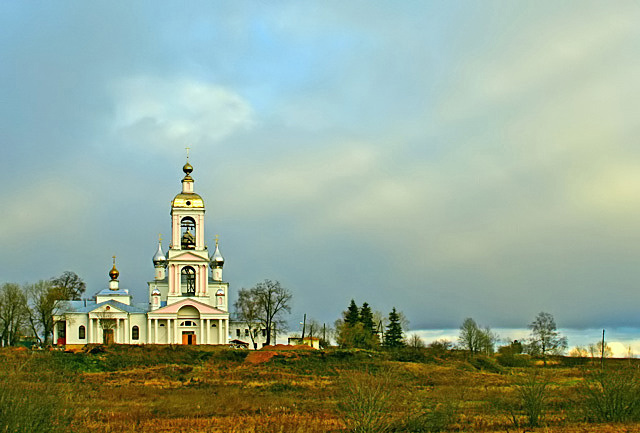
(217, 261)
(113, 273)
(159, 258)
(188, 169)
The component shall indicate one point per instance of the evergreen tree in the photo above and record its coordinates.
(393, 337)
(352, 332)
(352, 316)
(366, 318)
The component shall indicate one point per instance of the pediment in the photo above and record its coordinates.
(189, 257)
(102, 309)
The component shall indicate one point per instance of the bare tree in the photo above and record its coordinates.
(44, 302)
(70, 285)
(13, 313)
(314, 328)
(271, 302)
(248, 313)
(545, 339)
(475, 339)
(579, 352)
(416, 342)
(595, 350)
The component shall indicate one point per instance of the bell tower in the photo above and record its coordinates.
(187, 258)
(187, 271)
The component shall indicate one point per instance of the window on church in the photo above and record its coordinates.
(264, 332)
(188, 281)
(135, 333)
(188, 323)
(238, 333)
(188, 240)
(246, 332)
(81, 332)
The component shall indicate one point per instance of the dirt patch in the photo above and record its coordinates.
(287, 347)
(268, 352)
(259, 356)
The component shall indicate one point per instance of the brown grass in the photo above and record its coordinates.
(286, 391)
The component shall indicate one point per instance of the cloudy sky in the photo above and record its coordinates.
(452, 159)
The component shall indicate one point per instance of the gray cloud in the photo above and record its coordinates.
(451, 161)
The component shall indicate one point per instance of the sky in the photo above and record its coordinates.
(450, 159)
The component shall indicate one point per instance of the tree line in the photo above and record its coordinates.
(28, 309)
(544, 339)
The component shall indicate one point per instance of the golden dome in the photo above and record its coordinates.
(113, 273)
(188, 200)
(187, 168)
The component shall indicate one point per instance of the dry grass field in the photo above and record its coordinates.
(195, 389)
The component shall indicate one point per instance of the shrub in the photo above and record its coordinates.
(367, 402)
(513, 360)
(532, 393)
(485, 363)
(611, 395)
(529, 400)
(434, 418)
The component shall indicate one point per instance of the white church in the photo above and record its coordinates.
(188, 299)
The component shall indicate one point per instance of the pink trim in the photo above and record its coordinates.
(202, 308)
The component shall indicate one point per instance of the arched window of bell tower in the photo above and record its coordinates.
(188, 281)
(188, 233)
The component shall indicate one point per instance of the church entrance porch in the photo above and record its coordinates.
(62, 333)
(107, 336)
(188, 337)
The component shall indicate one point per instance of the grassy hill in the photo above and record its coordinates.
(209, 389)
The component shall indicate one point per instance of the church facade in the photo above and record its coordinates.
(188, 299)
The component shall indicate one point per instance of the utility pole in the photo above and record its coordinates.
(602, 352)
(324, 333)
(381, 331)
(304, 325)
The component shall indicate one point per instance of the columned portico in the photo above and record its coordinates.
(175, 333)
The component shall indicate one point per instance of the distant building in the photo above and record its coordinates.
(240, 332)
(306, 341)
(188, 299)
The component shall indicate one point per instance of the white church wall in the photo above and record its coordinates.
(139, 320)
(73, 323)
(162, 332)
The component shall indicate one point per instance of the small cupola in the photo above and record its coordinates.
(114, 274)
(217, 261)
(159, 259)
(114, 292)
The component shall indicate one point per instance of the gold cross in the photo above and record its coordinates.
(114, 260)
(216, 240)
(159, 237)
(187, 152)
